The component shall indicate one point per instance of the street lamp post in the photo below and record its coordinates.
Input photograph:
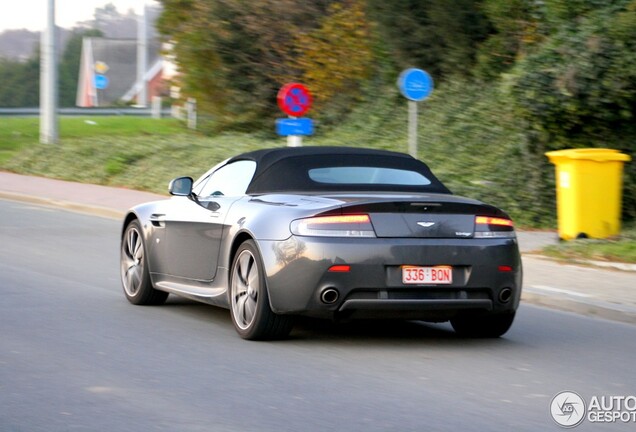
(142, 57)
(48, 80)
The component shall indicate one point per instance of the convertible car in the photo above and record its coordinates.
(333, 232)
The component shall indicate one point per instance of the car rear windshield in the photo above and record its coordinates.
(367, 175)
(332, 173)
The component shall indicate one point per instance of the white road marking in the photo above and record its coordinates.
(559, 290)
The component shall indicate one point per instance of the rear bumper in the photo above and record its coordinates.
(427, 310)
(380, 304)
(297, 273)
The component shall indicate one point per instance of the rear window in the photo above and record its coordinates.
(361, 175)
(346, 173)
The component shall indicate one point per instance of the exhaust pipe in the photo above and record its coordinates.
(329, 296)
(505, 295)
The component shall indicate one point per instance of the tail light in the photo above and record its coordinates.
(334, 226)
(494, 227)
(342, 268)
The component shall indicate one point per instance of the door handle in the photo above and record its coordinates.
(213, 206)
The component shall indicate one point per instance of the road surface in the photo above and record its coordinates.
(75, 355)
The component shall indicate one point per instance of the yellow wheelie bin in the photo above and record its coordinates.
(589, 185)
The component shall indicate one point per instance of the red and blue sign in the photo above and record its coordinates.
(294, 99)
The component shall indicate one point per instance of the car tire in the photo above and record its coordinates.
(251, 313)
(483, 326)
(135, 276)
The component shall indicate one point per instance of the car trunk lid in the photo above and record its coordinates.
(441, 216)
(436, 225)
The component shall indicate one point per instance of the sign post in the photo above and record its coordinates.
(294, 100)
(294, 141)
(416, 85)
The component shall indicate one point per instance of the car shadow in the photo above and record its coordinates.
(199, 311)
(381, 332)
(318, 331)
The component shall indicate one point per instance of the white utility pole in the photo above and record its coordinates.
(48, 80)
(413, 128)
(142, 58)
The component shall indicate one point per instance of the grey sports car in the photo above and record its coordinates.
(333, 232)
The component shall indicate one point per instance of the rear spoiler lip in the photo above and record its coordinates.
(471, 207)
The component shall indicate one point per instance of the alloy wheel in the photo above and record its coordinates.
(245, 289)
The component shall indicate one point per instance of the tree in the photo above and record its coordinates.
(20, 82)
(580, 85)
(233, 54)
(436, 35)
(18, 44)
(336, 58)
(109, 21)
(518, 26)
(578, 88)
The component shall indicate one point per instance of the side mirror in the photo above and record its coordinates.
(181, 186)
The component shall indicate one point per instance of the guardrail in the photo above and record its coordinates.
(34, 112)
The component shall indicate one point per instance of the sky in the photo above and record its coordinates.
(31, 14)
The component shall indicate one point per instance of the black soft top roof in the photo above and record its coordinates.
(286, 169)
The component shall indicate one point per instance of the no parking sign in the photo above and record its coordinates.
(294, 99)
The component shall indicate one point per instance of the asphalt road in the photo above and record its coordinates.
(74, 355)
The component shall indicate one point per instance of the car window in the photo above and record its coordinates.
(229, 180)
(324, 172)
(367, 175)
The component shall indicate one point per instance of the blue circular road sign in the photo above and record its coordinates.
(415, 84)
(101, 82)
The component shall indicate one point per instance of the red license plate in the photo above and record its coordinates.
(427, 275)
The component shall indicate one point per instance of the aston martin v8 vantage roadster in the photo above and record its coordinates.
(333, 232)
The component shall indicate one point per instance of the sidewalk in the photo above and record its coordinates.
(85, 198)
(604, 292)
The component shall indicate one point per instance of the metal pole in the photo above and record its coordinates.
(294, 140)
(156, 107)
(48, 80)
(413, 128)
(191, 108)
(142, 59)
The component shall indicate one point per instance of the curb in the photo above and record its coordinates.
(587, 263)
(66, 205)
(580, 304)
(611, 265)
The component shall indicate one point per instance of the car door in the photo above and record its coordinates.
(195, 227)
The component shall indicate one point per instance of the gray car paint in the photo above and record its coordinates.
(296, 267)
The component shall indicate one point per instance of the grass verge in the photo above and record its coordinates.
(621, 248)
(467, 135)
